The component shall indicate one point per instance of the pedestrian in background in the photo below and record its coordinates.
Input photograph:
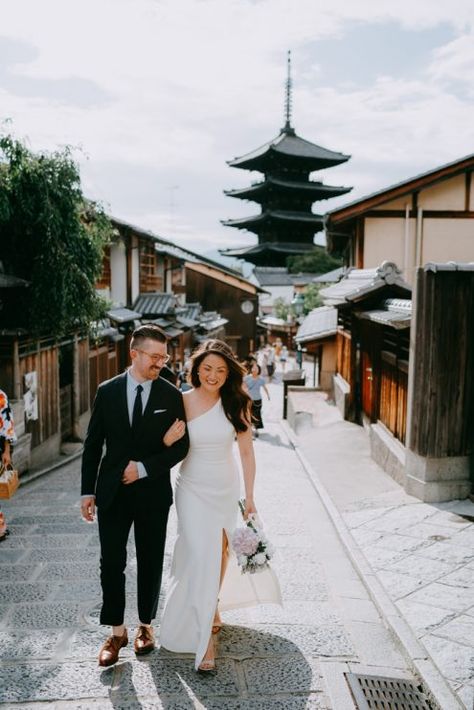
(270, 360)
(7, 441)
(183, 377)
(283, 357)
(262, 360)
(255, 383)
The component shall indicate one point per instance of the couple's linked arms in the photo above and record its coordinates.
(175, 441)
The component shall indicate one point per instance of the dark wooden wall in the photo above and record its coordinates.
(104, 363)
(442, 418)
(226, 299)
(45, 361)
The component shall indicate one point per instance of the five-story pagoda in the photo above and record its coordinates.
(286, 224)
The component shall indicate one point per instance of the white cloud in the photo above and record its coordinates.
(189, 84)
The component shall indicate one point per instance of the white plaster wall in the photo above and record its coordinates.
(446, 195)
(448, 240)
(399, 204)
(118, 271)
(384, 239)
(135, 275)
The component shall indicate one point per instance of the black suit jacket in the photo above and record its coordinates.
(109, 424)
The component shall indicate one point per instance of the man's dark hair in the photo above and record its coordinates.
(144, 332)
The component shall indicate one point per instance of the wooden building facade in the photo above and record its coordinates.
(235, 298)
(372, 342)
(427, 218)
(52, 378)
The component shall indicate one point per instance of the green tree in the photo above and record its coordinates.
(317, 261)
(282, 308)
(312, 298)
(50, 236)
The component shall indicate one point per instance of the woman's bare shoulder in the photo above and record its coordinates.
(188, 399)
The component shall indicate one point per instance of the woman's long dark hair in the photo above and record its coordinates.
(235, 400)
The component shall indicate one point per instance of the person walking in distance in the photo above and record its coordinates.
(137, 415)
(254, 382)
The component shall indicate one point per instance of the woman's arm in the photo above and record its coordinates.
(247, 457)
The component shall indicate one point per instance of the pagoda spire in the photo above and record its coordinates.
(288, 98)
(286, 223)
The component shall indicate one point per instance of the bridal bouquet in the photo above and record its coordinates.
(251, 546)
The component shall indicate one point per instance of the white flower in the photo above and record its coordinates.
(242, 560)
(260, 558)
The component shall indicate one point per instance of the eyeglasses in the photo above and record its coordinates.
(155, 358)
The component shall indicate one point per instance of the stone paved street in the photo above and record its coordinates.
(423, 554)
(287, 658)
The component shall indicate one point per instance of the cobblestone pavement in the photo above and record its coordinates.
(270, 657)
(423, 554)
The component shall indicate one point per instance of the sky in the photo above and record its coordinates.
(156, 96)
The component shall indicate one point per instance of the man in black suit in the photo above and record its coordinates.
(140, 418)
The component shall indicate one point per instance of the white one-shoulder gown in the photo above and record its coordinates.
(207, 495)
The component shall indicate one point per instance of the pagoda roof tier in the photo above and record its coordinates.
(269, 218)
(275, 253)
(259, 191)
(288, 149)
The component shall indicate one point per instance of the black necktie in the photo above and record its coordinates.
(137, 410)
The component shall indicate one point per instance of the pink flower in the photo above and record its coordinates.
(244, 541)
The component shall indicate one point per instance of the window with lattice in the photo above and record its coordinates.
(149, 279)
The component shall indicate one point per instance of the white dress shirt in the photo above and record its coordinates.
(132, 385)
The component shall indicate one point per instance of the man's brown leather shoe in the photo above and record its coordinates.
(109, 653)
(144, 640)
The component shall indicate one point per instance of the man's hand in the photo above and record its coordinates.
(130, 475)
(88, 509)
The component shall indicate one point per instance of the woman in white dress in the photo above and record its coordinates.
(207, 494)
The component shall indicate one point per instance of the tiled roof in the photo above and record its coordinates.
(277, 247)
(273, 322)
(151, 304)
(273, 277)
(359, 282)
(287, 143)
(123, 315)
(318, 190)
(190, 310)
(276, 216)
(395, 312)
(103, 329)
(330, 277)
(161, 322)
(187, 322)
(319, 323)
(213, 324)
(172, 332)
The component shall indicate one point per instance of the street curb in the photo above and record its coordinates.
(415, 653)
(27, 478)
